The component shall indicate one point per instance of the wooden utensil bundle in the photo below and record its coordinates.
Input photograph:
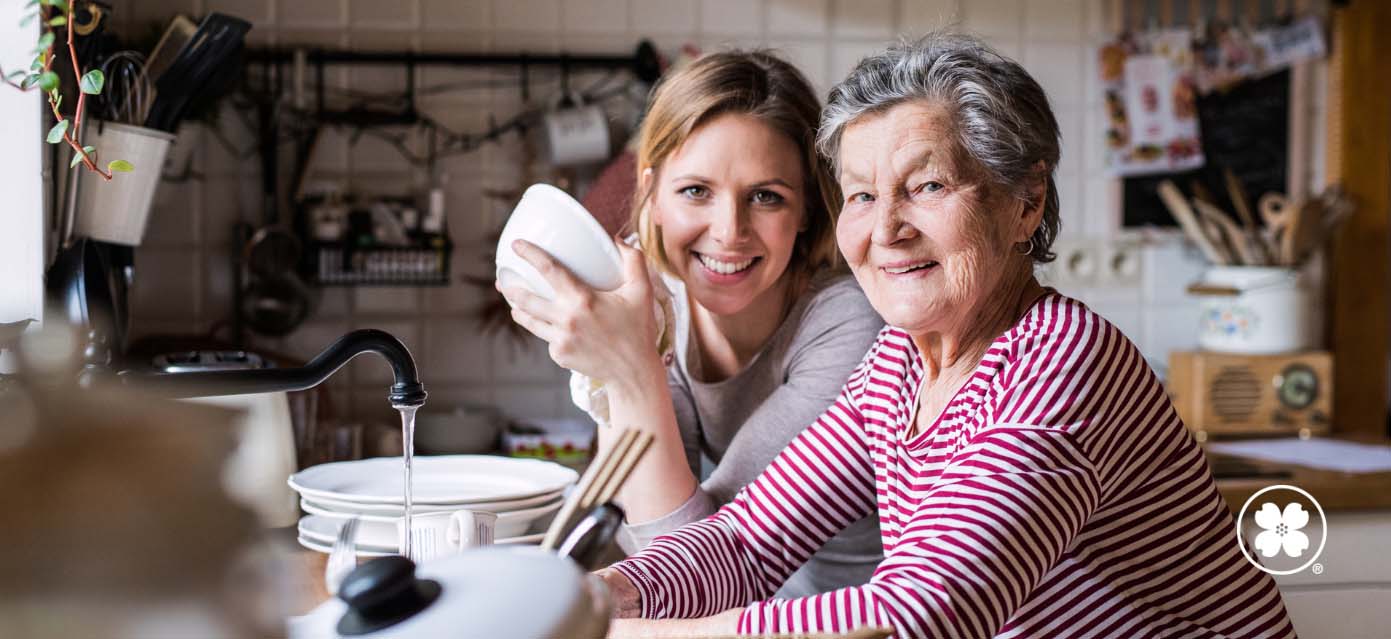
(1293, 229)
(600, 482)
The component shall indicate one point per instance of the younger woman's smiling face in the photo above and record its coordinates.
(730, 203)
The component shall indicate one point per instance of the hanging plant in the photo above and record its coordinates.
(493, 315)
(54, 15)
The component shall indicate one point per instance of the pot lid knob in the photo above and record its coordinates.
(382, 593)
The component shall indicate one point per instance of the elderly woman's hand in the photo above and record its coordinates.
(627, 605)
(623, 595)
(607, 335)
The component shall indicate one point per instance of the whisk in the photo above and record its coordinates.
(129, 92)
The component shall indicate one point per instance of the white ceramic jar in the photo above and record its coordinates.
(1266, 310)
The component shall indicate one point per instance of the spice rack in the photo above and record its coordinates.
(343, 264)
(381, 241)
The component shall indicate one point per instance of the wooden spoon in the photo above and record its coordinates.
(1236, 237)
(1302, 237)
(1178, 207)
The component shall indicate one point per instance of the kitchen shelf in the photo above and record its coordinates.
(342, 264)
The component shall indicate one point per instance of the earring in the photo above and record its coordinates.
(1028, 247)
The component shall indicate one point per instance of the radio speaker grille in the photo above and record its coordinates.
(1236, 394)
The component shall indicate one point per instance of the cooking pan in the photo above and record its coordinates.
(275, 300)
(82, 291)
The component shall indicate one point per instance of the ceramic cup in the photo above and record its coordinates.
(446, 533)
(576, 135)
(549, 218)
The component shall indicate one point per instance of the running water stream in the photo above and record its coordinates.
(407, 451)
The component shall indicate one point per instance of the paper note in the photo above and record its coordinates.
(1324, 454)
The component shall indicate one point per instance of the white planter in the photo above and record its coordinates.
(117, 210)
(1272, 310)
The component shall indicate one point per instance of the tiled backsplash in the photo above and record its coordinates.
(183, 270)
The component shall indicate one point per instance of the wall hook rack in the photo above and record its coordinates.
(643, 63)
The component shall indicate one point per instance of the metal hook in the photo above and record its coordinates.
(565, 100)
(410, 82)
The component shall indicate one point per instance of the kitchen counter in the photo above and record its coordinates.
(1239, 478)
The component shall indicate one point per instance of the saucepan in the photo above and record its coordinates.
(82, 291)
(503, 592)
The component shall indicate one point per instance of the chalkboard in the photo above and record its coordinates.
(1246, 129)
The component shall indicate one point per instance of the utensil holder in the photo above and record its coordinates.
(117, 210)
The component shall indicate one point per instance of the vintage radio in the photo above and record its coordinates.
(1220, 394)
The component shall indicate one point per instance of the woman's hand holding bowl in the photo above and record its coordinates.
(610, 336)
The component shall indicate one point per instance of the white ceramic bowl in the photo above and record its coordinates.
(376, 530)
(549, 218)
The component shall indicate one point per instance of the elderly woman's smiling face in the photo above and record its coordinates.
(928, 238)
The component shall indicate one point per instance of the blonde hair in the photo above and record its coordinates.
(754, 83)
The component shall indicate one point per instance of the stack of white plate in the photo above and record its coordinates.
(523, 493)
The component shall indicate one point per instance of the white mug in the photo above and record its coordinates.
(576, 135)
(446, 533)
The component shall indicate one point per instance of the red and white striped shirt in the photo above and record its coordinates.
(1058, 494)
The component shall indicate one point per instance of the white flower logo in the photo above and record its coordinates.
(1282, 530)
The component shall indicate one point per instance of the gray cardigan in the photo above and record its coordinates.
(741, 423)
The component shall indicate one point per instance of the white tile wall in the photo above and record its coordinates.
(731, 17)
(663, 16)
(1054, 19)
(863, 18)
(1000, 18)
(376, 14)
(527, 15)
(810, 56)
(454, 15)
(322, 14)
(595, 16)
(798, 17)
(916, 18)
(845, 54)
(185, 267)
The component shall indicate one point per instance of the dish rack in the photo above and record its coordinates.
(344, 264)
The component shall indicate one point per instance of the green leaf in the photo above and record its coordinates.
(14, 74)
(58, 21)
(93, 81)
(120, 165)
(61, 5)
(77, 157)
(29, 81)
(39, 59)
(31, 3)
(27, 20)
(48, 81)
(45, 41)
(57, 100)
(55, 134)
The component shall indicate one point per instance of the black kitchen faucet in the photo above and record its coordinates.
(406, 390)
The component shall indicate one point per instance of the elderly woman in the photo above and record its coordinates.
(1029, 474)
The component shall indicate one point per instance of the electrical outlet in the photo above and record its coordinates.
(1078, 266)
(1119, 265)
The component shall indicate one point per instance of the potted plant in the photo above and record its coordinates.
(111, 211)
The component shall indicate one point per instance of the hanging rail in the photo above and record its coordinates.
(643, 62)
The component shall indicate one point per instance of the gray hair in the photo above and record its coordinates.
(1003, 121)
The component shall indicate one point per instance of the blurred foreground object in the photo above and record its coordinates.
(117, 524)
